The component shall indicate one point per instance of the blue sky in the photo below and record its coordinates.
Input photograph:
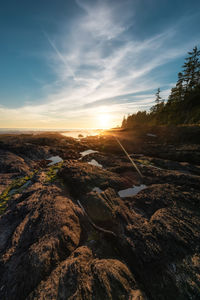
(63, 63)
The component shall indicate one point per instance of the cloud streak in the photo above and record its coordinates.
(98, 63)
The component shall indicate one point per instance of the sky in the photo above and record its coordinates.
(87, 63)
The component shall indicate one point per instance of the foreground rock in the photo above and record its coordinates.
(38, 230)
(40, 257)
(82, 276)
(141, 247)
(11, 163)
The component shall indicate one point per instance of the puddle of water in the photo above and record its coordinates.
(54, 160)
(12, 192)
(93, 162)
(25, 185)
(151, 134)
(131, 191)
(97, 189)
(87, 152)
(158, 168)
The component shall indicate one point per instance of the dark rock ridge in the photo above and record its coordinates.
(141, 247)
(83, 177)
(12, 163)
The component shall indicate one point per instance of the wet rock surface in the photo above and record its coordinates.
(141, 247)
(82, 276)
(83, 177)
(12, 163)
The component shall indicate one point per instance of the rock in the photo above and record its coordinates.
(81, 276)
(105, 160)
(40, 146)
(11, 163)
(161, 225)
(5, 180)
(174, 165)
(149, 245)
(101, 207)
(154, 175)
(38, 231)
(82, 178)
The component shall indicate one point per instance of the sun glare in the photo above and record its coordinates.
(104, 121)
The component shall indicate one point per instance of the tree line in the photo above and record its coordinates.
(183, 104)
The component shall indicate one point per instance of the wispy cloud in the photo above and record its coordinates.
(98, 62)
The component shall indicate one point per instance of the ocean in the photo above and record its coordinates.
(75, 133)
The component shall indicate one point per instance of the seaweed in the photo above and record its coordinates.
(51, 174)
(17, 186)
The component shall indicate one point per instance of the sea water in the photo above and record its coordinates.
(75, 133)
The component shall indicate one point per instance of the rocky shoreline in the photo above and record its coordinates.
(68, 231)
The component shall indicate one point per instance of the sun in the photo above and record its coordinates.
(104, 120)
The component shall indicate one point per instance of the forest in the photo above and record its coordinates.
(183, 103)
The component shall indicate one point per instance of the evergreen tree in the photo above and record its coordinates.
(191, 70)
(154, 109)
(172, 96)
(177, 92)
(124, 123)
(187, 74)
(183, 105)
(158, 98)
(197, 75)
(179, 87)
